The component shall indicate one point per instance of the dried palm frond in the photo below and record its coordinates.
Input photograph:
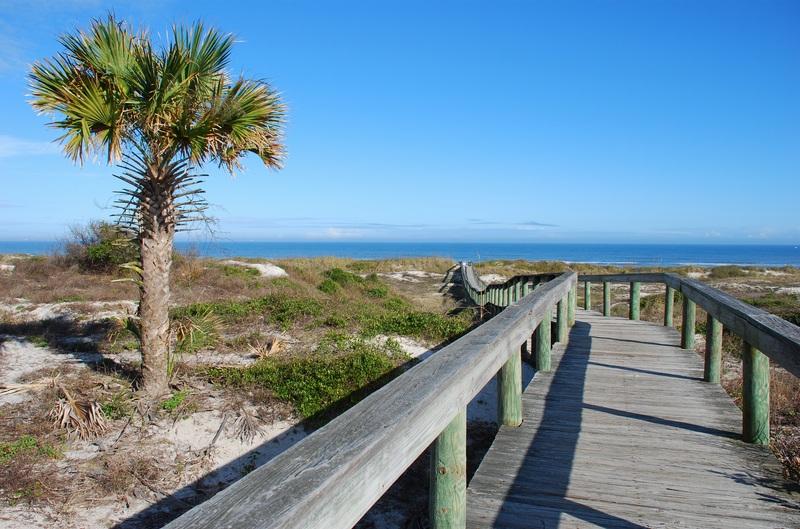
(246, 426)
(11, 389)
(82, 417)
(268, 347)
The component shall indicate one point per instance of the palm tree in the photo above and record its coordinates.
(160, 113)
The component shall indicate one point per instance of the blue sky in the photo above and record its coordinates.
(591, 121)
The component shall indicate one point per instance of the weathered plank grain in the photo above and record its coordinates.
(624, 433)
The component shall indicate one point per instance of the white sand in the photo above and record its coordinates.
(265, 269)
(409, 276)
(493, 278)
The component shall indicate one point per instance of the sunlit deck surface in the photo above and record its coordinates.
(623, 433)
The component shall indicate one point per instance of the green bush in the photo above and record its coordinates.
(343, 277)
(429, 325)
(174, 401)
(377, 291)
(340, 373)
(99, 247)
(329, 286)
(724, 272)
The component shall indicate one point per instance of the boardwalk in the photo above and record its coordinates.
(623, 433)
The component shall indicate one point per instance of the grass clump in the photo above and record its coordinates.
(342, 371)
(421, 324)
(329, 286)
(27, 444)
(174, 401)
(39, 340)
(118, 406)
(240, 271)
(343, 277)
(726, 271)
(279, 309)
(377, 291)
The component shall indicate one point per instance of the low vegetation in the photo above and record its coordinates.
(341, 371)
(98, 247)
(309, 345)
(27, 445)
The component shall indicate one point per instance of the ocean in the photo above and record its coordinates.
(615, 254)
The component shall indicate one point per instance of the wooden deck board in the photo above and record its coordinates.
(623, 433)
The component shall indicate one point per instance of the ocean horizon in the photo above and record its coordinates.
(608, 254)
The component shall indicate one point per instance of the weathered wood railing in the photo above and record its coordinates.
(765, 336)
(331, 478)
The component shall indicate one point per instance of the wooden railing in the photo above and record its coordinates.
(330, 479)
(765, 336)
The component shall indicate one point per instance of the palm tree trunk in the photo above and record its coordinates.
(156, 248)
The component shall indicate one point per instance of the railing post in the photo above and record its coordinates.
(448, 491)
(561, 321)
(509, 390)
(711, 372)
(541, 359)
(669, 302)
(587, 295)
(571, 302)
(689, 314)
(755, 396)
(606, 298)
(636, 288)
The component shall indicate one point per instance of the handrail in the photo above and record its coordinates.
(499, 295)
(765, 336)
(771, 334)
(331, 478)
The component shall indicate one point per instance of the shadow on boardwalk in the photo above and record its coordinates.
(558, 435)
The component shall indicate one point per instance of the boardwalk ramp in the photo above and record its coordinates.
(623, 433)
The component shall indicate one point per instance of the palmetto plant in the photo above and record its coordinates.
(159, 113)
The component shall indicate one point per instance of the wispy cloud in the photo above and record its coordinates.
(484, 222)
(10, 146)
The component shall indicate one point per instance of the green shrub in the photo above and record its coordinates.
(329, 286)
(342, 371)
(39, 340)
(174, 401)
(343, 277)
(99, 247)
(724, 272)
(377, 291)
(335, 320)
(429, 325)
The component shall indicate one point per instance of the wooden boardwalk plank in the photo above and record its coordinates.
(623, 433)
